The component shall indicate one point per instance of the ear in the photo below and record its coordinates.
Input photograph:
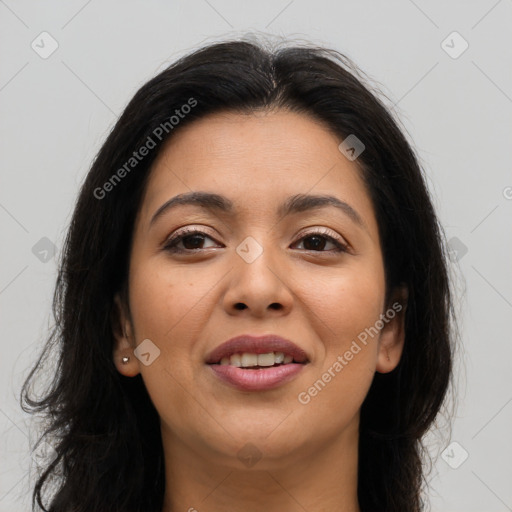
(123, 340)
(392, 336)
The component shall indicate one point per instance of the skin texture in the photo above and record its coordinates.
(186, 304)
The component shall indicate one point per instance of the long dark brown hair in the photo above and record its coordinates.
(102, 425)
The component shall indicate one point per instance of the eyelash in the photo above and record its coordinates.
(171, 244)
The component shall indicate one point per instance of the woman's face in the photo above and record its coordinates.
(257, 269)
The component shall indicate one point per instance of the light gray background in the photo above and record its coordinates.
(55, 113)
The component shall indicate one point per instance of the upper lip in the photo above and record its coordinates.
(257, 345)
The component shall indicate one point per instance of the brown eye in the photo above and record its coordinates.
(317, 240)
(191, 240)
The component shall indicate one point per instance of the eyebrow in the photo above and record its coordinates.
(294, 204)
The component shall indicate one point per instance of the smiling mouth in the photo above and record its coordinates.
(250, 361)
(257, 372)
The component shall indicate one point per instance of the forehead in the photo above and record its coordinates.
(257, 160)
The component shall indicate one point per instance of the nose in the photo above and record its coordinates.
(258, 287)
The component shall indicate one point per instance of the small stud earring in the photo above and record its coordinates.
(125, 359)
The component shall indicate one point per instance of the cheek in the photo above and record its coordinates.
(169, 308)
(348, 301)
(347, 306)
(343, 374)
(168, 303)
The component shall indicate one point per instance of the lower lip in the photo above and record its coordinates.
(259, 379)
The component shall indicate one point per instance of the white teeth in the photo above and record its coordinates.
(236, 360)
(246, 360)
(266, 359)
(249, 360)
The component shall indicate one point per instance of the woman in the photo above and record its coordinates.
(253, 308)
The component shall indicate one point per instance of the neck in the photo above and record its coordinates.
(316, 478)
